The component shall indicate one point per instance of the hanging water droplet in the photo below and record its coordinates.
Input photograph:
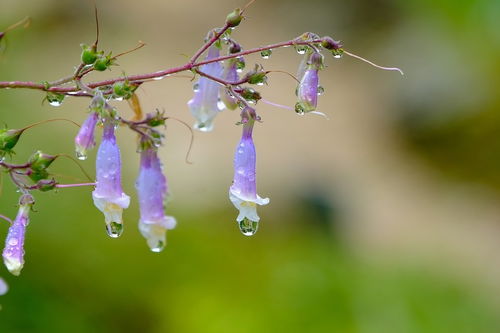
(240, 65)
(266, 54)
(196, 87)
(248, 227)
(160, 245)
(220, 105)
(321, 90)
(301, 49)
(114, 229)
(55, 103)
(81, 156)
(299, 108)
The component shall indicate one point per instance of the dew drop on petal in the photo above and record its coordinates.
(248, 227)
(114, 229)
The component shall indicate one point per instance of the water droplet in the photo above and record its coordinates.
(321, 90)
(248, 227)
(266, 54)
(114, 229)
(337, 56)
(220, 105)
(299, 108)
(158, 247)
(119, 99)
(301, 49)
(196, 87)
(81, 156)
(55, 103)
(13, 241)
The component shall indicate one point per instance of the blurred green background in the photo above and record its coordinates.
(384, 218)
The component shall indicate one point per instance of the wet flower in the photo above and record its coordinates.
(13, 253)
(230, 74)
(307, 91)
(108, 194)
(243, 193)
(84, 140)
(152, 190)
(204, 105)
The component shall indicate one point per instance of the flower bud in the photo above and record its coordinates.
(41, 161)
(89, 54)
(250, 95)
(8, 140)
(256, 76)
(234, 18)
(330, 44)
(84, 140)
(45, 185)
(103, 62)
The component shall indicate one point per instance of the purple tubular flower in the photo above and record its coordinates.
(243, 192)
(108, 194)
(229, 74)
(151, 187)
(84, 140)
(307, 91)
(204, 105)
(13, 253)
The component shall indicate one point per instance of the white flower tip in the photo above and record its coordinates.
(204, 126)
(112, 210)
(14, 265)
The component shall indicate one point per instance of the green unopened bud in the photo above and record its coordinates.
(258, 78)
(41, 161)
(234, 18)
(8, 139)
(103, 62)
(330, 44)
(45, 185)
(89, 54)
(123, 89)
(37, 175)
(250, 95)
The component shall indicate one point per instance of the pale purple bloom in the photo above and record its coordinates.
(152, 190)
(307, 91)
(108, 194)
(230, 74)
(3, 287)
(243, 193)
(84, 140)
(204, 105)
(13, 253)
